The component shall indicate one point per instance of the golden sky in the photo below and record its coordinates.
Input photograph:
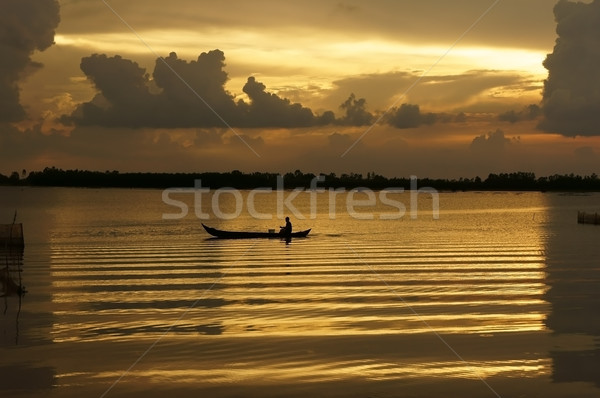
(440, 88)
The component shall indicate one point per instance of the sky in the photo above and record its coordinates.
(432, 88)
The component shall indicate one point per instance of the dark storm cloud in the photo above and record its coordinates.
(571, 97)
(190, 94)
(530, 112)
(25, 26)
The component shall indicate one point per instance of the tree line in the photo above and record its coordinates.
(517, 181)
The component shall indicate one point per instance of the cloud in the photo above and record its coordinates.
(269, 110)
(184, 89)
(25, 26)
(193, 93)
(380, 88)
(492, 143)
(530, 112)
(206, 138)
(123, 84)
(470, 91)
(108, 148)
(245, 141)
(571, 96)
(403, 117)
(427, 22)
(355, 112)
(339, 141)
(181, 94)
(410, 116)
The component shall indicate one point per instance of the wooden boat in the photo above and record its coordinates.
(252, 235)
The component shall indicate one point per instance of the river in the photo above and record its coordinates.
(471, 294)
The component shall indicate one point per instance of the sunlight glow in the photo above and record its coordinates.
(329, 56)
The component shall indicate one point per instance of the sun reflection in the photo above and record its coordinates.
(309, 371)
(313, 310)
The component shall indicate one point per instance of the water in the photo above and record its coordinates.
(497, 297)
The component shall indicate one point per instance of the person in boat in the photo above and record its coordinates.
(287, 230)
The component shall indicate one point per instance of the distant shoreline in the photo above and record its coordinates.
(518, 181)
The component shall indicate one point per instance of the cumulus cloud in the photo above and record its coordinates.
(193, 93)
(182, 94)
(122, 84)
(25, 26)
(125, 99)
(268, 109)
(189, 94)
(492, 142)
(355, 112)
(571, 97)
(410, 116)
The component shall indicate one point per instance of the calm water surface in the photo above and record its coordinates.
(498, 297)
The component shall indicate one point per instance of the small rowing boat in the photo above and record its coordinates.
(251, 235)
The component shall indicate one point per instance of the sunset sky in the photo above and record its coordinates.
(432, 88)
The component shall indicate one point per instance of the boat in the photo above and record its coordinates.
(252, 235)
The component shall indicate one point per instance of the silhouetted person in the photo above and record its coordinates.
(287, 230)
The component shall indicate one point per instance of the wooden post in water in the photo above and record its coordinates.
(11, 235)
(12, 245)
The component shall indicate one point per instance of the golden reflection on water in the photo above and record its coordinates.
(297, 371)
(359, 304)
